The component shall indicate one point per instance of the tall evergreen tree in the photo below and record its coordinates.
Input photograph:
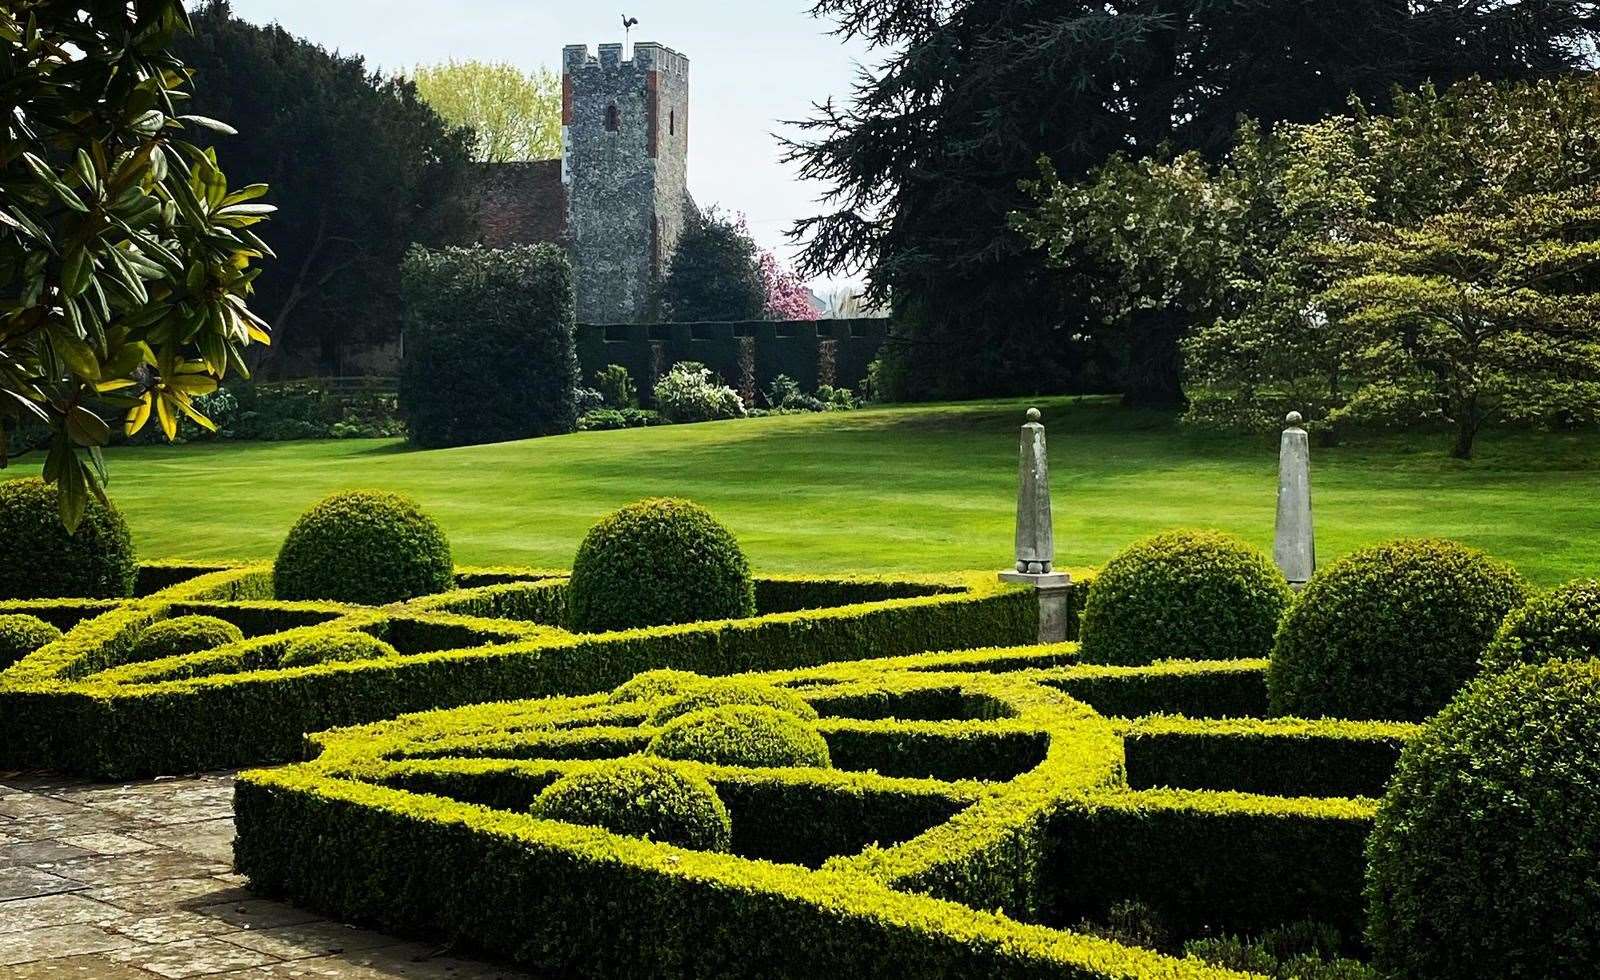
(926, 156)
(360, 166)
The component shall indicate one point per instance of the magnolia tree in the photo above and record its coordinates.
(787, 297)
(125, 258)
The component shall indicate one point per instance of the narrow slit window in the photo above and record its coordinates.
(613, 117)
(672, 122)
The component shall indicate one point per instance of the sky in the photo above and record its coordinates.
(753, 65)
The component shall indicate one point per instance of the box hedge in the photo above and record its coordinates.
(84, 704)
(972, 807)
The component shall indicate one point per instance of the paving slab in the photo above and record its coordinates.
(134, 881)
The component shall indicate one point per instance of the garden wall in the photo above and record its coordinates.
(791, 347)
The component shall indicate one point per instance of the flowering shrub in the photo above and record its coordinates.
(691, 393)
(787, 297)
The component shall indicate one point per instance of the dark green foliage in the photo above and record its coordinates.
(611, 419)
(616, 388)
(742, 735)
(925, 159)
(1390, 632)
(333, 646)
(654, 684)
(21, 634)
(1205, 860)
(641, 798)
(365, 167)
(366, 547)
(1300, 951)
(1482, 861)
(489, 349)
(716, 694)
(1563, 624)
(1187, 595)
(41, 560)
(1234, 690)
(657, 562)
(184, 634)
(1263, 761)
(714, 273)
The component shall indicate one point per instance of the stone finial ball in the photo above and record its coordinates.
(1033, 415)
(1295, 418)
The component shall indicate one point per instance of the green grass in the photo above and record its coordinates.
(928, 488)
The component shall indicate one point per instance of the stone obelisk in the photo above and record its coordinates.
(1035, 540)
(1294, 547)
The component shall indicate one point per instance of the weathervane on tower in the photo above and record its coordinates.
(628, 24)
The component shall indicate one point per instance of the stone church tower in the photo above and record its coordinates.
(624, 169)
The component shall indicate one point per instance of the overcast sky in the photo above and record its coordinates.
(751, 65)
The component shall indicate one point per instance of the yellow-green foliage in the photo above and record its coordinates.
(742, 735)
(184, 634)
(968, 796)
(716, 694)
(88, 703)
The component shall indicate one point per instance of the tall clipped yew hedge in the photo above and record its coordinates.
(489, 349)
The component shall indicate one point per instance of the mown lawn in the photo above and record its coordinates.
(905, 488)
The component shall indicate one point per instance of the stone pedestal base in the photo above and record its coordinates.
(1054, 590)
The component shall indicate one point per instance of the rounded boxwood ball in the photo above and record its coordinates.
(716, 694)
(653, 684)
(1185, 595)
(334, 647)
(1563, 624)
(363, 547)
(742, 735)
(21, 634)
(641, 797)
(1482, 860)
(658, 562)
(40, 560)
(184, 634)
(1390, 632)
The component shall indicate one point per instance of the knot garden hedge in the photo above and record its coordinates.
(975, 803)
(88, 703)
(975, 806)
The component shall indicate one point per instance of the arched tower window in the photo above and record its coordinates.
(613, 117)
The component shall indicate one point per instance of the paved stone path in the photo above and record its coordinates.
(135, 882)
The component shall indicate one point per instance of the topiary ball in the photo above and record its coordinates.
(334, 647)
(363, 547)
(1185, 595)
(653, 684)
(717, 694)
(40, 560)
(742, 735)
(21, 634)
(658, 562)
(1390, 632)
(1482, 859)
(184, 634)
(1563, 624)
(641, 798)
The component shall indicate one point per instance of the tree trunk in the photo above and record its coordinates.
(1466, 434)
(1154, 376)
